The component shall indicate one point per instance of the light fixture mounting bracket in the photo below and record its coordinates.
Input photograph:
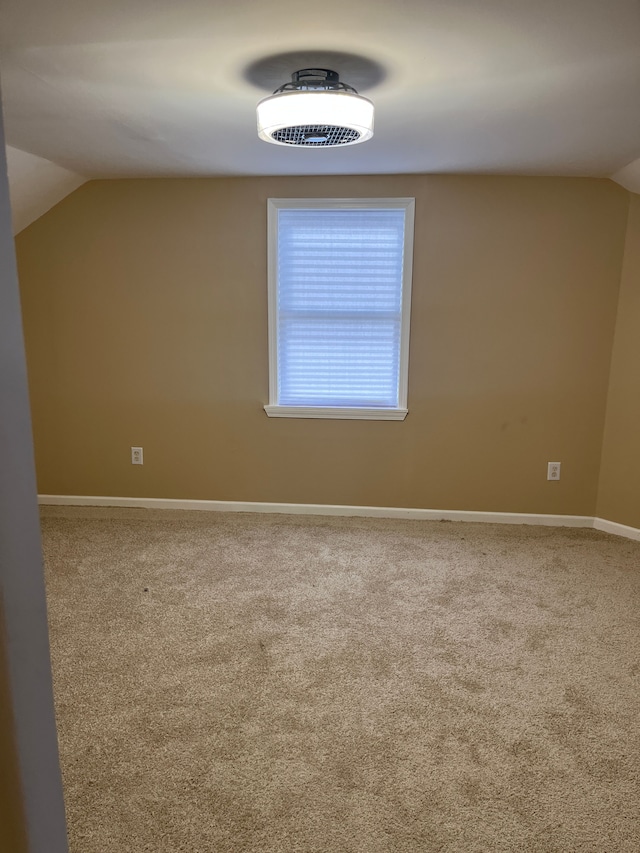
(312, 79)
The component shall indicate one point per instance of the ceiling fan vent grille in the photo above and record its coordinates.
(316, 135)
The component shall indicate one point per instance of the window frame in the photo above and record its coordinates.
(273, 408)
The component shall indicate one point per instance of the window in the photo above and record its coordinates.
(339, 307)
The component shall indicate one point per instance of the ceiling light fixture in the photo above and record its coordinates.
(315, 110)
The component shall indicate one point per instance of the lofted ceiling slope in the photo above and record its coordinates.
(35, 186)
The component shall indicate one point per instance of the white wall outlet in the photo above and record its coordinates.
(553, 471)
(136, 456)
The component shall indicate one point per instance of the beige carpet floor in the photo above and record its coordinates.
(234, 682)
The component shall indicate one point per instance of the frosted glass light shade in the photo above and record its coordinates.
(315, 108)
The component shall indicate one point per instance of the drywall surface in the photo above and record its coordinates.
(36, 185)
(12, 819)
(146, 324)
(629, 176)
(619, 493)
(24, 642)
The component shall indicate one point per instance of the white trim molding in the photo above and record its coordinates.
(337, 413)
(617, 529)
(414, 513)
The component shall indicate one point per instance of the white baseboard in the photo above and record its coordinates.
(617, 529)
(336, 509)
(323, 509)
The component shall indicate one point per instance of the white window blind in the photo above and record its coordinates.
(341, 304)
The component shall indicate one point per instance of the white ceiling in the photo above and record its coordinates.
(629, 176)
(35, 186)
(113, 88)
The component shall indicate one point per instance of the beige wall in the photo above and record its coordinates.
(145, 308)
(619, 493)
(12, 826)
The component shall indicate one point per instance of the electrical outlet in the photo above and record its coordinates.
(136, 456)
(553, 471)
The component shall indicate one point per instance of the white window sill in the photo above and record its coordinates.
(370, 414)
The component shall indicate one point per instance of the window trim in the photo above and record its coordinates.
(273, 408)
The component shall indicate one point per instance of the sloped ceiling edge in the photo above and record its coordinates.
(629, 176)
(36, 185)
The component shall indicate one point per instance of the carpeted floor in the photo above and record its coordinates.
(234, 682)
